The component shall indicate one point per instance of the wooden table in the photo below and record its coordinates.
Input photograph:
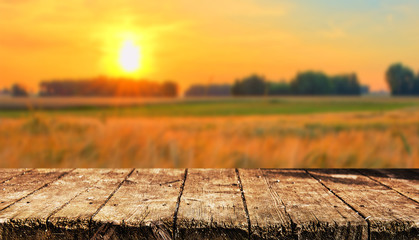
(209, 204)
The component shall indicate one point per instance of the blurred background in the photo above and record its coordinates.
(246, 83)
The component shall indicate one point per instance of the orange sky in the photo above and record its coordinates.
(196, 41)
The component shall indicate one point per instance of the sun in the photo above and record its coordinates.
(129, 56)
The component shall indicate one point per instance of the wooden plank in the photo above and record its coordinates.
(390, 215)
(211, 206)
(8, 173)
(314, 211)
(144, 206)
(77, 214)
(29, 217)
(404, 181)
(24, 184)
(268, 217)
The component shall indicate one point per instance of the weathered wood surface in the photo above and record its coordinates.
(404, 181)
(208, 204)
(212, 206)
(25, 184)
(144, 206)
(97, 187)
(268, 216)
(6, 174)
(314, 212)
(389, 214)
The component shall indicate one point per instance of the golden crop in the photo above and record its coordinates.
(386, 139)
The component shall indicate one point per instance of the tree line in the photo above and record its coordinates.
(400, 79)
(106, 87)
(305, 83)
(16, 90)
(102, 87)
(214, 90)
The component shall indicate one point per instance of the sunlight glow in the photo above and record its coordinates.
(129, 56)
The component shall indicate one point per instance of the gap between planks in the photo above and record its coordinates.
(95, 235)
(271, 192)
(340, 198)
(36, 190)
(179, 199)
(386, 186)
(185, 175)
(246, 210)
(16, 175)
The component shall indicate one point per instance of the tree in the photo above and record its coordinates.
(311, 83)
(346, 84)
(416, 85)
(253, 85)
(170, 89)
(401, 80)
(279, 88)
(19, 90)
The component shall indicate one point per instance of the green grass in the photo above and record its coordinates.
(231, 107)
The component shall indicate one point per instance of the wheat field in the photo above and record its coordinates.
(359, 139)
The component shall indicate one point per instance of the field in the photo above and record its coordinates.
(133, 107)
(249, 132)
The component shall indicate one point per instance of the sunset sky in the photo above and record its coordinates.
(206, 41)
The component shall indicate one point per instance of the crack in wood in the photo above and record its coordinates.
(385, 185)
(170, 227)
(65, 204)
(107, 200)
(249, 226)
(38, 189)
(347, 204)
(272, 193)
(17, 175)
(185, 175)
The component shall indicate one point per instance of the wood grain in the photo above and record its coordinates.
(29, 217)
(268, 217)
(144, 205)
(25, 184)
(404, 181)
(8, 173)
(211, 206)
(315, 212)
(76, 215)
(390, 215)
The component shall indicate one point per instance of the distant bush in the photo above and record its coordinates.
(5, 91)
(311, 83)
(19, 90)
(346, 84)
(279, 88)
(318, 83)
(211, 90)
(253, 85)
